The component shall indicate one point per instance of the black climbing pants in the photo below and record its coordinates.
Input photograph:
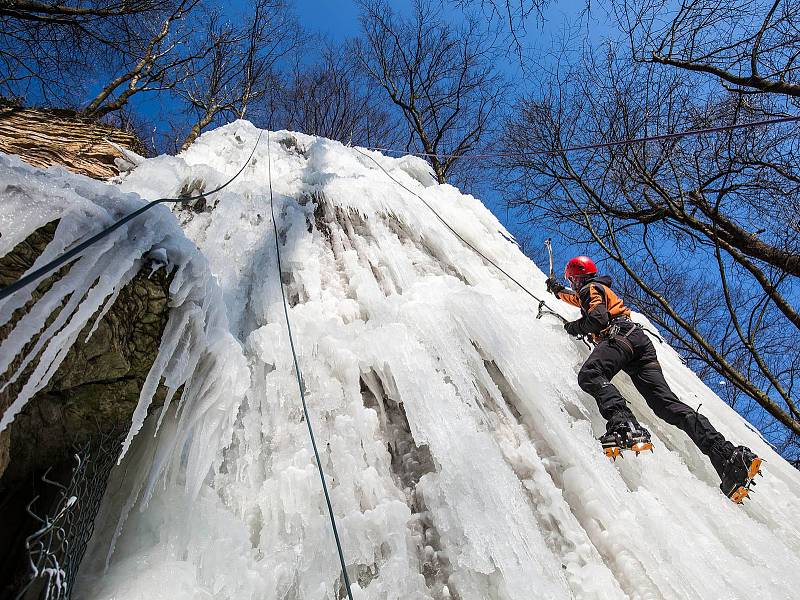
(633, 352)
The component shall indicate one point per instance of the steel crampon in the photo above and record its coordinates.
(743, 491)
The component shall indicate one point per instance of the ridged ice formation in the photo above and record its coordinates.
(460, 452)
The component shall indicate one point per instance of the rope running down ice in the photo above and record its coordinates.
(543, 307)
(57, 262)
(301, 385)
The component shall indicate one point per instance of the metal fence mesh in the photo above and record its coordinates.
(55, 550)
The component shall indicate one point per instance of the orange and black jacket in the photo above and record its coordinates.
(599, 306)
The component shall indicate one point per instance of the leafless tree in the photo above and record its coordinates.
(72, 12)
(439, 75)
(702, 231)
(334, 97)
(748, 46)
(150, 63)
(49, 52)
(513, 15)
(236, 72)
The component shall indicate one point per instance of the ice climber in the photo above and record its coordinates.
(622, 345)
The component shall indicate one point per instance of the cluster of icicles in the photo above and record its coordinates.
(197, 354)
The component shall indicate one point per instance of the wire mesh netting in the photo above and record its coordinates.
(56, 548)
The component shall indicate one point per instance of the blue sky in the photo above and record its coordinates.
(338, 19)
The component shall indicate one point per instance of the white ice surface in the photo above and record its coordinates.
(197, 350)
(460, 452)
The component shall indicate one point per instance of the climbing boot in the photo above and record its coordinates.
(628, 436)
(738, 473)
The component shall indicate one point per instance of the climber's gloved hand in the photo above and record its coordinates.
(553, 286)
(573, 328)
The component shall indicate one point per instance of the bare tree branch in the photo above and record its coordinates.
(237, 69)
(440, 77)
(702, 231)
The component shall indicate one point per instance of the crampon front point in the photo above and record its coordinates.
(629, 436)
(740, 492)
(614, 452)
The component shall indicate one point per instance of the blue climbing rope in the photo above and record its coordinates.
(301, 386)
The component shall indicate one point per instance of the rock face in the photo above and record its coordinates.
(94, 391)
(62, 137)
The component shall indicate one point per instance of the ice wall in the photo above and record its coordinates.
(197, 351)
(460, 452)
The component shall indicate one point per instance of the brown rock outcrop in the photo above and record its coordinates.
(63, 137)
(97, 386)
(94, 392)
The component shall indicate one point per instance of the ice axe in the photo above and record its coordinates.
(549, 245)
(543, 308)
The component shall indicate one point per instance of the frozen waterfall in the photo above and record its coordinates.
(460, 452)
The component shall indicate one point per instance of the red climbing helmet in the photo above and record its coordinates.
(578, 270)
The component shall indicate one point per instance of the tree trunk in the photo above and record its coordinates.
(61, 137)
(197, 128)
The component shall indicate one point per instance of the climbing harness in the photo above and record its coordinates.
(57, 262)
(617, 331)
(301, 385)
(614, 329)
(544, 309)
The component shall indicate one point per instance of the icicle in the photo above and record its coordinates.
(157, 259)
(493, 488)
(93, 282)
(112, 299)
